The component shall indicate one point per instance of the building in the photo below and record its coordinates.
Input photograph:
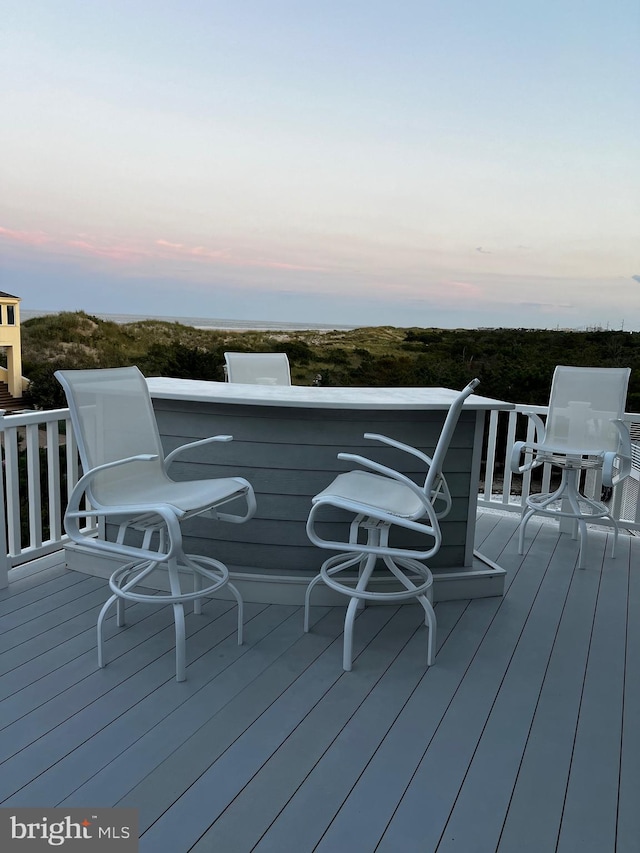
(11, 375)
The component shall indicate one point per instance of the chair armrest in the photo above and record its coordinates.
(441, 491)
(165, 511)
(74, 513)
(541, 429)
(73, 505)
(611, 477)
(171, 456)
(399, 446)
(625, 436)
(517, 450)
(82, 483)
(431, 530)
(389, 472)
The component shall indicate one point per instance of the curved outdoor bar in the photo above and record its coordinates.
(286, 442)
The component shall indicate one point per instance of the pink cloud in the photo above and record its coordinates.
(226, 257)
(169, 245)
(27, 238)
(466, 288)
(116, 252)
(137, 252)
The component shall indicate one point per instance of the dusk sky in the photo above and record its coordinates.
(367, 162)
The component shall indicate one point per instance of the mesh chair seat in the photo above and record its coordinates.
(190, 497)
(374, 493)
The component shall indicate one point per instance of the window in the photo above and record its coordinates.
(11, 315)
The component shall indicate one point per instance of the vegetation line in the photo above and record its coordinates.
(512, 364)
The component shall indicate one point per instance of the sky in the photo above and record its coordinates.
(449, 163)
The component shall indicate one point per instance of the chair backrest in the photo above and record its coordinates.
(113, 419)
(446, 434)
(583, 403)
(258, 368)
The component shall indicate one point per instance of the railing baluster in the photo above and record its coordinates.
(4, 551)
(511, 437)
(12, 487)
(526, 477)
(491, 455)
(34, 491)
(54, 482)
(72, 457)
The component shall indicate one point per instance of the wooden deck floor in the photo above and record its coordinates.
(524, 736)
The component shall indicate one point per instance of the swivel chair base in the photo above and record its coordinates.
(125, 579)
(359, 593)
(568, 502)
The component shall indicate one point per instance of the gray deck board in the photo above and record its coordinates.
(345, 758)
(295, 712)
(78, 714)
(155, 737)
(54, 669)
(628, 811)
(443, 766)
(23, 592)
(524, 736)
(330, 746)
(589, 819)
(546, 759)
(240, 743)
(483, 801)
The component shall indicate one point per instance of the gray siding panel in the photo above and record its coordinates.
(289, 455)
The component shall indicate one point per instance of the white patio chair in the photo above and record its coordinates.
(376, 501)
(257, 368)
(125, 481)
(584, 431)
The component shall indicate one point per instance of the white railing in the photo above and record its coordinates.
(503, 490)
(40, 467)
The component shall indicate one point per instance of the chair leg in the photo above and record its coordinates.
(429, 613)
(337, 563)
(366, 571)
(361, 566)
(347, 642)
(240, 604)
(307, 601)
(101, 618)
(431, 622)
(615, 536)
(181, 652)
(197, 585)
(573, 500)
(528, 515)
(120, 605)
(178, 618)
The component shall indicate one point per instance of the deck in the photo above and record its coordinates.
(524, 736)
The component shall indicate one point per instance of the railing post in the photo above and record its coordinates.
(4, 551)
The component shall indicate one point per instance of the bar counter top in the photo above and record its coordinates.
(304, 396)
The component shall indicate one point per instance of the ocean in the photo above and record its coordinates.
(205, 322)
